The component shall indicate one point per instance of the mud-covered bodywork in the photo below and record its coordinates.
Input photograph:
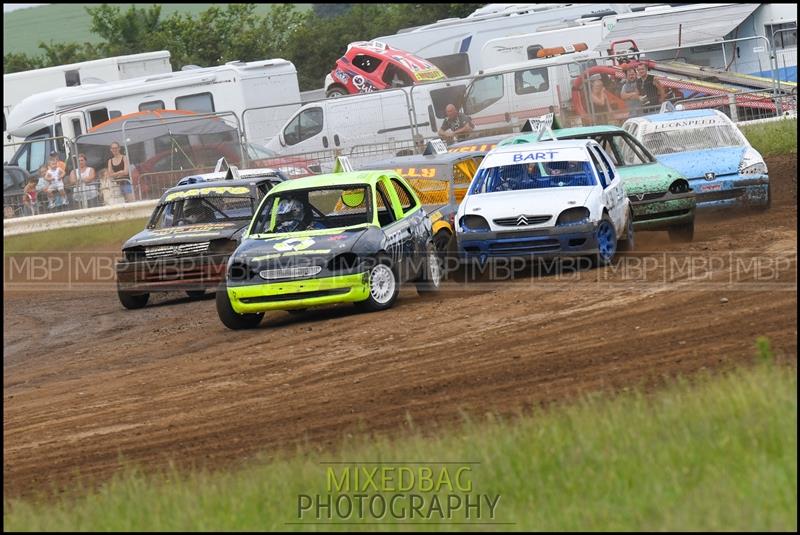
(328, 261)
(660, 196)
(183, 249)
(441, 181)
(722, 168)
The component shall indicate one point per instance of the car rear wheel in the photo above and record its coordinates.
(132, 301)
(606, 243)
(383, 287)
(336, 91)
(682, 233)
(232, 319)
(432, 276)
(628, 243)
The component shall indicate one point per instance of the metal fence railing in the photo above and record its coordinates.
(305, 138)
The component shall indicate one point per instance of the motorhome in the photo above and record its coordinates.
(20, 85)
(523, 47)
(455, 45)
(72, 111)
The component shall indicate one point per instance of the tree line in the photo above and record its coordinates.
(312, 39)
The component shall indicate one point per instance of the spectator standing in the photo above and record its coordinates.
(456, 125)
(84, 182)
(117, 170)
(630, 93)
(649, 88)
(599, 96)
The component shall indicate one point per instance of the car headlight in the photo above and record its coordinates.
(679, 186)
(474, 223)
(573, 216)
(752, 163)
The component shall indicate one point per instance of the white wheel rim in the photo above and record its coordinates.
(433, 262)
(381, 283)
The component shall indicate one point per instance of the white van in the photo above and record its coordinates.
(348, 124)
(505, 96)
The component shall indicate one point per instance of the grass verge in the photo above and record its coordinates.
(770, 139)
(102, 237)
(719, 453)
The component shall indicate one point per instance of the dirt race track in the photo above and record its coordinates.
(85, 382)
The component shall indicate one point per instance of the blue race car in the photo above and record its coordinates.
(711, 152)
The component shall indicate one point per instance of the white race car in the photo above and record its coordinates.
(551, 198)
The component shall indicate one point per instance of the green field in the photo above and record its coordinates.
(716, 453)
(23, 29)
(778, 137)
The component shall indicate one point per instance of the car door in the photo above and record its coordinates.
(613, 192)
(400, 233)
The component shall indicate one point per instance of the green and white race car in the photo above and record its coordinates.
(349, 237)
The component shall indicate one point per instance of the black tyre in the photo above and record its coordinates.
(336, 91)
(628, 243)
(232, 319)
(606, 237)
(431, 278)
(763, 207)
(682, 233)
(384, 285)
(132, 301)
(195, 294)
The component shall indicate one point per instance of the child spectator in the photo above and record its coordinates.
(55, 177)
(29, 196)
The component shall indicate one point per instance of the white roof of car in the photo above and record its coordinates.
(545, 151)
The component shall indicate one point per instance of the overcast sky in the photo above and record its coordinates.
(14, 7)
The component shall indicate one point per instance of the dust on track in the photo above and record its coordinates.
(87, 383)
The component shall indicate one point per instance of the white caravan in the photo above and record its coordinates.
(20, 85)
(72, 111)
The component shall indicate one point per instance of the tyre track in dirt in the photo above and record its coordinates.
(86, 382)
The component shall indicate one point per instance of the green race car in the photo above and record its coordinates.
(661, 198)
(338, 238)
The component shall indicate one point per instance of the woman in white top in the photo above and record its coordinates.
(87, 186)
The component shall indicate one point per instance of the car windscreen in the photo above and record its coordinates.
(198, 210)
(314, 209)
(690, 139)
(535, 175)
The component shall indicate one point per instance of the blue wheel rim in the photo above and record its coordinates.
(606, 242)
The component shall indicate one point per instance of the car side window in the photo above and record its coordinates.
(407, 202)
(366, 63)
(385, 212)
(601, 171)
(307, 124)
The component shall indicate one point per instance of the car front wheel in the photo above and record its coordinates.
(336, 91)
(606, 243)
(232, 319)
(682, 233)
(132, 301)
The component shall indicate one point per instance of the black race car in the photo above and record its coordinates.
(187, 242)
